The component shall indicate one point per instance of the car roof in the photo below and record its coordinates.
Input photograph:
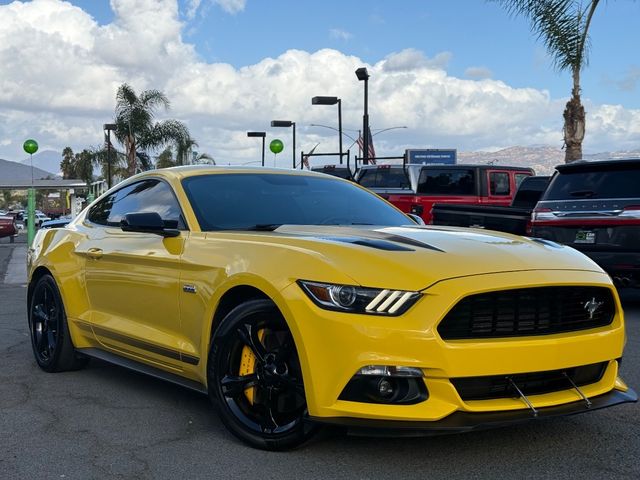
(610, 164)
(185, 171)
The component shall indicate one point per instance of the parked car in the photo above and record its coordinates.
(416, 188)
(38, 218)
(594, 207)
(295, 299)
(341, 171)
(56, 223)
(8, 227)
(515, 218)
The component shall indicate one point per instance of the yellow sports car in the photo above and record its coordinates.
(295, 299)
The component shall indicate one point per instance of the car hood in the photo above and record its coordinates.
(417, 257)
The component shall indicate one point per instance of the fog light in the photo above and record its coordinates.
(385, 387)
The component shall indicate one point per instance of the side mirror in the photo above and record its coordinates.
(147, 222)
(416, 218)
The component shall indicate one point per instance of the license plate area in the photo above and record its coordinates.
(585, 237)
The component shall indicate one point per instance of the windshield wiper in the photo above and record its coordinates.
(263, 227)
(583, 193)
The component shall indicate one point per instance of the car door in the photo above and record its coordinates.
(132, 278)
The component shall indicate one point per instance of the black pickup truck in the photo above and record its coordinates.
(514, 219)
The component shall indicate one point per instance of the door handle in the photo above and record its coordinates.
(94, 253)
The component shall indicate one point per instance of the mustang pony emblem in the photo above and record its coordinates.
(592, 307)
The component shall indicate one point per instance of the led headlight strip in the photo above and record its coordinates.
(356, 299)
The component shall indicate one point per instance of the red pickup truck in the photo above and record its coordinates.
(415, 188)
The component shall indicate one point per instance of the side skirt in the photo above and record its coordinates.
(142, 368)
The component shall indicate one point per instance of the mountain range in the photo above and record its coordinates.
(11, 172)
(541, 158)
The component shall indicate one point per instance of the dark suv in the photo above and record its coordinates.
(594, 207)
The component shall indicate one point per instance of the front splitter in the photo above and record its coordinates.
(460, 422)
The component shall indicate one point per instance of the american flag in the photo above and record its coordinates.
(305, 158)
(371, 157)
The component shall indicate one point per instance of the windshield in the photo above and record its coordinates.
(597, 183)
(263, 201)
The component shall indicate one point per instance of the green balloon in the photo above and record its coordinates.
(30, 146)
(276, 146)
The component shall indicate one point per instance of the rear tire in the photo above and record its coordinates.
(262, 404)
(50, 338)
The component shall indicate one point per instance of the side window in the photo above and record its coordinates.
(99, 213)
(499, 183)
(519, 177)
(146, 196)
(446, 182)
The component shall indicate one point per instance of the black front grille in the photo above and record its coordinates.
(534, 383)
(528, 311)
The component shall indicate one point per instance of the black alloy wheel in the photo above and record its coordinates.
(50, 339)
(255, 378)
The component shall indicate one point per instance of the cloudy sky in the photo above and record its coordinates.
(459, 74)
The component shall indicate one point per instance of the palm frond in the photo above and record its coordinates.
(562, 25)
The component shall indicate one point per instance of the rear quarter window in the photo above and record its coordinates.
(383, 178)
(597, 183)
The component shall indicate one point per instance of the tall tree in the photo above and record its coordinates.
(165, 159)
(83, 165)
(67, 164)
(563, 26)
(136, 128)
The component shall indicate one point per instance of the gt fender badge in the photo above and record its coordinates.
(189, 288)
(592, 307)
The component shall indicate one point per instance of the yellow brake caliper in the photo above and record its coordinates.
(248, 366)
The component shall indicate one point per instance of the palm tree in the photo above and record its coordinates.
(66, 165)
(563, 26)
(136, 129)
(165, 159)
(204, 159)
(83, 165)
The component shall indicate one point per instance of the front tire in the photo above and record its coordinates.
(255, 378)
(50, 338)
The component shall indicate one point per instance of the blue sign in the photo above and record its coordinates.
(432, 156)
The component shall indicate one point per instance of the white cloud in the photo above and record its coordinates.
(340, 34)
(413, 59)
(192, 8)
(231, 6)
(61, 70)
(478, 73)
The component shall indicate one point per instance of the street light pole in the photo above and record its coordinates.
(363, 75)
(262, 135)
(109, 127)
(288, 123)
(332, 101)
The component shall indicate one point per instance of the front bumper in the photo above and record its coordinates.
(333, 346)
(460, 422)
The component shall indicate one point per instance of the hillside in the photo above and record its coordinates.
(542, 159)
(16, 172)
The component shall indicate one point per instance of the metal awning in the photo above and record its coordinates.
(58, 184)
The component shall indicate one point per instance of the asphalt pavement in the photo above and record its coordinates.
(107, 422)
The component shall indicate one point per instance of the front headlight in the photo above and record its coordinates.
(354, 299)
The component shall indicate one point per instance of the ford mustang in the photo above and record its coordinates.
(295, 299)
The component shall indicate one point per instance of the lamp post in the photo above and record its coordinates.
(332, 101)
(109, 127)
(261, 135)
(288, 123)
(363, 76)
